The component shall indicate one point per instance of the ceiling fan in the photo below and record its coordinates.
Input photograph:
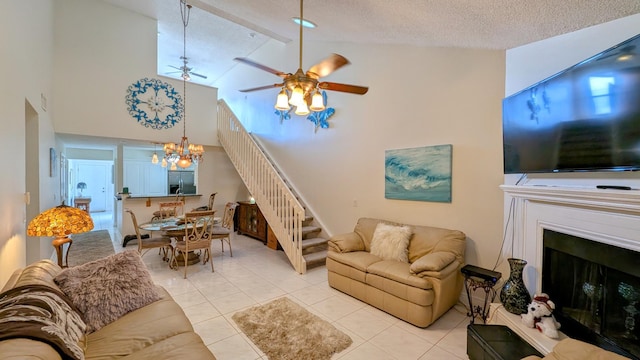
(185, 70)
(303, 87)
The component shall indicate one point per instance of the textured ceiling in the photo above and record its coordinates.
(220, 30)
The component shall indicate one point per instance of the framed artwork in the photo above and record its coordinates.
(420, 174)
(53, 165)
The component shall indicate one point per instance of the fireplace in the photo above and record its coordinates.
(596, 289)
(610, 218)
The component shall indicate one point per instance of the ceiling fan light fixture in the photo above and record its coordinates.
(297, 96)
(317, 102)
(302, 109)
(306, 23)
(282, 102)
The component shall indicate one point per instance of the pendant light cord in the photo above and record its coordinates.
(185, 13)
(301, 1)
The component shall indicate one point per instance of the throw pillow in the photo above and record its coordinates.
(108, 288)
(391, 242)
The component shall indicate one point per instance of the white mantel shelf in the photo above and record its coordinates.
(604, 199)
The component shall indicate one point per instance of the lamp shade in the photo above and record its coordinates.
(317, 102)
(60, 221)
(184, 162)
(297, 96)
(282, 101)
(302, 109)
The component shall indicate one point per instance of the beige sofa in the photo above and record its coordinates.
(419, 291)
(157, 331)
(572, 349)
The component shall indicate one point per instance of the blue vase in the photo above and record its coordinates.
(514, 295)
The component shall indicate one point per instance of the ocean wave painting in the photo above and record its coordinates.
(420, 174)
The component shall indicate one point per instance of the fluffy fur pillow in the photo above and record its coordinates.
(106, 289)
(391, 242)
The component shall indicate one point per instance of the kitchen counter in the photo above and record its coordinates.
(129, 196)
(161, 196)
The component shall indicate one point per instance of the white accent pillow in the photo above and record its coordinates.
(391, 242)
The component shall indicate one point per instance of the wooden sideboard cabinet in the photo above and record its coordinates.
(251, 222)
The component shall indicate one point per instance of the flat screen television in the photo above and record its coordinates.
(585, 118)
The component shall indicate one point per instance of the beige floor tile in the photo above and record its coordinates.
(233, 348)
(400, 343)
(214, 330)
(362, 323)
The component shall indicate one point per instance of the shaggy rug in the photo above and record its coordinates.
(90, 246)
(283, 329)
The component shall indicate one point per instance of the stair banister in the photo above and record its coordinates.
(278, 204)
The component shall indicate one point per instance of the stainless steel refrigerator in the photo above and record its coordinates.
(182, 182)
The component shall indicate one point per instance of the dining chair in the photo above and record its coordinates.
(197, 236)
(224, 230)
(145, 244)
(167, 210)
(209, 206)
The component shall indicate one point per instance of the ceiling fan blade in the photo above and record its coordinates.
(198, 75)
(328, 65)
(353, 89)
(261, 67)
(262, 87)
(175, 67)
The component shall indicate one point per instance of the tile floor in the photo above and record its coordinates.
(256, 275)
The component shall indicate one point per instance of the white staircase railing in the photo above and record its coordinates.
(281, 209)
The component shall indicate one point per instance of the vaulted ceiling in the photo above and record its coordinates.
(220, 30)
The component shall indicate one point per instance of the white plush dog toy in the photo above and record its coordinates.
(539, 315)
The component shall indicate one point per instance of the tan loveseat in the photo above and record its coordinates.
(156, 331)
(419, 291)
(572, 349)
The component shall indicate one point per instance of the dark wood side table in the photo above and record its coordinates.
(251, 222)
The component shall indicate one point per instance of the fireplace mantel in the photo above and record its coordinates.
(603, 215)
(587, 197)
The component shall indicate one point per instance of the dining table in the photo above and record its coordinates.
(174, 227)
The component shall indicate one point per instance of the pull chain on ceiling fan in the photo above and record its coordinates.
(301, 89)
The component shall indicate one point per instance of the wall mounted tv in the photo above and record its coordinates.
(585, 118)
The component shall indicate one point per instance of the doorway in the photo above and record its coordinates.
(97, 177)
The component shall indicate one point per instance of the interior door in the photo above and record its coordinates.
(96, 175)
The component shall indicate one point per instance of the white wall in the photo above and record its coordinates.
(417, 97)
(26, 73)
(100, 50)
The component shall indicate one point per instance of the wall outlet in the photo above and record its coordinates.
(355, 203)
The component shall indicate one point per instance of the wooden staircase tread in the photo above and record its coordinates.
(313, 242)
(310, 228)
(316, 257)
